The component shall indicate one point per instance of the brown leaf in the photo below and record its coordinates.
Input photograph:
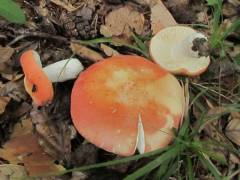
(161, 17)
(121, 21)
(13, 172)
(5, 53)
(85, 52)
(23, 128)
(54, 137)
(3, 103)
(109, 51)
(64, 4)
(233, 130)
(22, 109)
(23, 148)
(13, 89)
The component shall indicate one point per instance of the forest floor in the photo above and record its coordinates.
(43, 143)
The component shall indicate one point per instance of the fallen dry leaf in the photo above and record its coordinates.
(3, 103)
(23, 148)
(85, 52)
(54, 138)
(23, 128)
(109, 51)
(13, 172)
(161, 17)
(64, 4)
(5, 53)
(147, 2)
(121, 22)
(14, 89)
(233, 130)
(234, 158)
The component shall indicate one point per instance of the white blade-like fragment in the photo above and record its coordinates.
(63, 70)
(140, 136)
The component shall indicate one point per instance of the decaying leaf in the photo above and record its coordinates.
(13, 172)
(109, 51)
(6, 53)
(85, 52)
(64, 4)
(54, 138)
(121, 22)
(160, 17)
(13, 89)
(23, 148)
(233, 130)
(3, 103)
(23, 128)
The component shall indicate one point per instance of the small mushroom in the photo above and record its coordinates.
(126, 103)
(180, 50)
(36, 82)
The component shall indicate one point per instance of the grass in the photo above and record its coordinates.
(218, 34)
(166, 161)
(188, 154)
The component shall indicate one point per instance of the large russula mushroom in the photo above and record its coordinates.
(36, 82)
(126, 103)
(180, 50)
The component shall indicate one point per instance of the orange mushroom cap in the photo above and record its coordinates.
(36, 82)
(113, 97)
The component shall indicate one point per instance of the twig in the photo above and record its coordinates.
(39, 35)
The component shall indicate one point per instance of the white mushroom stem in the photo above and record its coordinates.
(184, 48)
(63, 70)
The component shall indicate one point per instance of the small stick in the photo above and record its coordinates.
(39, 35)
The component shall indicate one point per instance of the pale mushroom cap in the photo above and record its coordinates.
(126, 102)
(164, 52)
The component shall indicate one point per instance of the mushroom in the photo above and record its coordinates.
(60, 71)
(36, 82)
(126, 103)
(180, 50)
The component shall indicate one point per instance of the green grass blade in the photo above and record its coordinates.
(111, 41)
(115, 162)
(171, 153)
(171, 170)
(12, 12)
(184, 127)
(234, 27)
(189, 169)
(140, 43)
(211, 167)
(162, 169)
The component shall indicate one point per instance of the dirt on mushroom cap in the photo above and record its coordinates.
(108, 98)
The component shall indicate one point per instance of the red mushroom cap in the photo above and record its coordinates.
(122, 100)
(36, 82)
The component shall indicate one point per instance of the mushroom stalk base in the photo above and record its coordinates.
(192, 46)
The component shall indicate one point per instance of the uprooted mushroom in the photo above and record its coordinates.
(38, 81)
(180, 50)
(126, 103)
